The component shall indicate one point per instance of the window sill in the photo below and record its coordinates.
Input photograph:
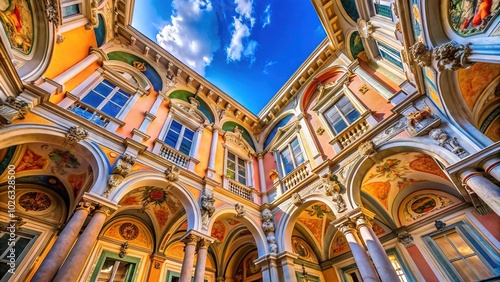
(92, 110)
(174, 156)
(352, 132)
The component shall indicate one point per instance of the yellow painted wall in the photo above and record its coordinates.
(204, 153)
(156, 125)
(73, 49)
(136, 116)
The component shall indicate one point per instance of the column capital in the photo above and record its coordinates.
(85, 205)
(406, 239)
(215, 128)
(346, 225)
(490, 164)
(468, 173)
(99, 52)
(190, 239)
(364, 220)
(204, 243)
(107, 211)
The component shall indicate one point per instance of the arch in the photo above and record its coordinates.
(230, 125)
(281, 121)
(149, 178)
(355, 45)
(30, 52)
(142, 81)
(142, 227)
(249, 222)
(362, 165)
(290, 216)
(28, 133)
(100, 31)
(323, 77)
(184, 95)
(150, 72)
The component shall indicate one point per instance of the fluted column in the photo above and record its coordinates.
(199, 273)
(382, 263)
(485, 189)
(63, 244)
(365, 266)
(75, 263)
(190, 242)
(492, 167)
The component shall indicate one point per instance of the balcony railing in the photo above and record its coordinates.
(353, 132)
(296, 176)
(239, 189)
(89, 114)
(174, 156)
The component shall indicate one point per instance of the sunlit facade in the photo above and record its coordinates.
(378, 160)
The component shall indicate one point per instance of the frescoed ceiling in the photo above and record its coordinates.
(474, 80)
(58, 168)
(159, 203)
(386, 179)
(316, 219)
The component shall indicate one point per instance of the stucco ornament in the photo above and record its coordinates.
(207, 208)
(445, 141)
(420, 54)
(52, 12)
(365, 29)
(296, 199)
(240, 210)
(268, 227)
(75, 134)
(367, 149)
(332, 189)
(11, 110)
(451, 56)
(120, 171)
(406, 239)
(172, 173)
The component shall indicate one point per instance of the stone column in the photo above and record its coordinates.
(485, 189)
(262, 179)
(63, 244)
(190, 242)
(268, 268)
(382, 263)
(75, 263)
(365, 266)
(199, 273)
(213, 151)
(79, 67)
(287, 266)
(492, 167)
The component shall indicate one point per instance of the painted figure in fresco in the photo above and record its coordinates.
(18, 23)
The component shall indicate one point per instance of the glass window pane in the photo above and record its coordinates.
(295, 143)
(460, 244)
(231, 156)
(446, 247)
(339, 126)
(171, 138)
(93, 99)
(231, 174)
(353, 116)
(288, 167)
(478, 267)
(188, 134)
(120, 99)
(231, 166)
(185, 146)
(241, 162)
(175, 126)
(106, 270)
(104, 88)
(299, 159)
(4, 242)
(111, 109)
(464, 270)
(70, 10)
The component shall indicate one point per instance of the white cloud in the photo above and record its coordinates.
(244, 8)
(267, 16)
(268, 65)
(192, 36)
(240, 45)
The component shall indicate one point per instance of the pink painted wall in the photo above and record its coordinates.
(491, 222)
(381, 108)
(422, 264)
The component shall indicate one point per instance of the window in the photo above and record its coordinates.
(179, 137)
(291, 156)
(341, 115)
(71, 8)
(461, 256)
(383, 10)
(112, 268)
(390, 54)
(236, 168)
(107, 98)
(399, 270)
(22, 243)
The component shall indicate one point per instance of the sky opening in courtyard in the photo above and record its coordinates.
(247, 48)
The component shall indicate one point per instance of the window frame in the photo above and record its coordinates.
(288, 146)
(180, 137)
(330, 99)
(478, 244)
(120, 115)
(76, 20)
(20, 258)
(238, 156)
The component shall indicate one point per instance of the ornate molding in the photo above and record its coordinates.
(52, 12)
(447, 142)
(207, 208)
(451, 56)
(268, 227)
(120, 171)
(172, 173)
(297, 200)
(190, 239)
(367, 149)
(11, 110)
(240, 210)
(421, 55)
(406, 239)
(365, 29)
(75, 134)
(332, 189)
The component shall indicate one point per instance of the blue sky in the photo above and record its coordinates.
(247, 48)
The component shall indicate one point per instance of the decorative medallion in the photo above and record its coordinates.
(129, 231)
(139, 65)
(35, 201)
(62, 160)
